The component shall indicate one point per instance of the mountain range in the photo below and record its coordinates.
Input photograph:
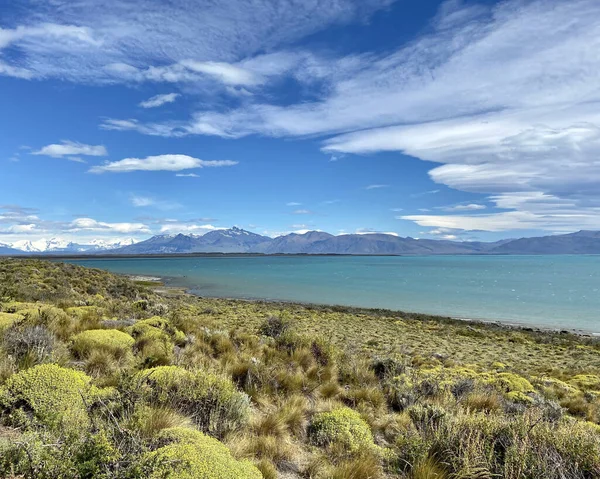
(236, 240)
(57, 246)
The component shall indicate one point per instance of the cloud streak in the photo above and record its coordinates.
(70, 149)
(86, 41)
(159, 100)
(159, 163)
(503, 98)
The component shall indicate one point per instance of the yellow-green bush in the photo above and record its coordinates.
(156, 328)
(212, 401)
(341, 427)
(111, 341)
(56, 397)
(8, 319)
(189, 454)
(586, 382)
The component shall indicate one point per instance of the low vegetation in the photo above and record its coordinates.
(101, 377)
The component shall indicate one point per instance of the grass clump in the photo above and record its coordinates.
(210, 400)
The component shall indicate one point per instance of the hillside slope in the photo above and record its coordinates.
(101, 377)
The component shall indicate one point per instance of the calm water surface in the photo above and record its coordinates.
(550, 291)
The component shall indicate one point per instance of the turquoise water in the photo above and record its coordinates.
(548, 291)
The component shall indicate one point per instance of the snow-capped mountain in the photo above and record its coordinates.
(59, 245)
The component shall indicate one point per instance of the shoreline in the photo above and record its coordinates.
(163, 285)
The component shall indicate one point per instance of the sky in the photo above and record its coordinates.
(465, 120)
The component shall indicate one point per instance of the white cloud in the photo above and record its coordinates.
(159, 163)
(77, 40)
(29, 228)
(465, 207)
(159, 100)
(70, 148)
(371, 231)
(141, 201)
(188, 228)
(293, 203)
(376, 187)
(48, 35)
(302, 212)
(89, 224)
(187, 175)
(474, 95)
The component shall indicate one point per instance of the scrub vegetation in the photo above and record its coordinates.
(102, 377)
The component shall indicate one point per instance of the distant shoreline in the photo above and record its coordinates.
(52, 256)
(162, 285)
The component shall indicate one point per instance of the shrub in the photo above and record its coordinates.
(29, 344)
(41, 456)
(111, 341)
(212, 401)
(156, 328)
(8, 319)
(427, 418)
(55, 396)
(275, 326)
(586, 381)
(189, 454)
(509, 382)
(388, 368)
(341, 427)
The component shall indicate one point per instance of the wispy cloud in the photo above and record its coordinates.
(293, 203)
(141, 201)
(464, 207)
(472, 95)
(424, 193)
(159, 100)
(115, 41)
(188, 228)
(71, 150)
(159, 163)
(89, 224)
(372, 231)
(302, 212)
(376, 187)
(187, 175)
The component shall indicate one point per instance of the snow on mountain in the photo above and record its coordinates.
(59, 245)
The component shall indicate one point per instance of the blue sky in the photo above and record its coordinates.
(455, 119)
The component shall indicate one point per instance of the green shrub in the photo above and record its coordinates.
(189, 454)
(427, 418)
(42, 455)
(8, 319)
(586, 382)
(54, 396)
(111, 341)
(212, 401)
(156, 328)
(275, 326)
(342, 427)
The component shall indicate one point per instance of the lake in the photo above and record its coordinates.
(547, 291)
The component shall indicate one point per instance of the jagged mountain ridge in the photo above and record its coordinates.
(237, 240)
